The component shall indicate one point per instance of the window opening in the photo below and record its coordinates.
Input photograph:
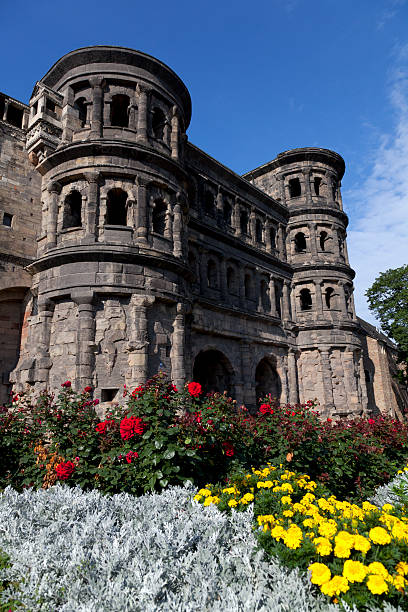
(272, 234)
(108, 395)
(300, 242)
(294, 188)
(72, 210)
(119, 116)
(116, 207)
(323, 238)
(159, 217)
(258, 230)
(15, 116)
(227, 213)
(248, 286)
(50, 105)
(212, 274)
(80, 106)
(244, 222)
(328, 296)
(265, 295)
(209, 203)
(158, 123)
(231, 279)
(7, 219)
(305, 299)
(317, 181)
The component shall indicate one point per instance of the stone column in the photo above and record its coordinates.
(178, 372)
(252, 225)
(258, 291)
(85, 357)
(293, 301)
(312, 238)
(133, 115)
(281, 188)
(363, 385)
(241, 287)
(308, 192)
(130, 213)
(93, 179)
(286, 301)
(223, 280)
(177, 232)
(339, 197)
(272, 296)
(283, 366)
(342, 298)
(42, 354)
(336, 245)
(142, 209)
(327, 380)
(219, 203)
(97, 98)
(6, 105)
(350, 382)
(54, 189)
(292, 378)
(203, 272)
(142, 137)
(138, 345)
(267, 235)
(319, 301)
(168, 230)
(237, 223)
(107, 113)
(66, 116)
(175, 134)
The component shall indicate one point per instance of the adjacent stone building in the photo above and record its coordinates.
(152, 255)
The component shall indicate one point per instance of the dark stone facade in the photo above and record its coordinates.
(151, 254)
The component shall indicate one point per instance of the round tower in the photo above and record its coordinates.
(106, 133)
(329, 358)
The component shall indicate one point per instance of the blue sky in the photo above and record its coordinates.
(264, 77)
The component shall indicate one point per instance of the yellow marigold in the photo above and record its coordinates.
(323, 546)
(248, 497)
(335, 586)
(286, 486)
(378, 535)
(342, 551)
(387, 507)
(268, 484)
(345, 537)
(399, 582)
(208, 501)
(260, 484)
(293, 537)
(286, 499)
(309, 522)
(230, 490)
(232, 503)
(277, 532)
(204, 492)
(328, 529)
(361, 543)
(288, 513)
(307, 498)
(354, 571)
(320, 573)
(402, 568)
(311, 486)
(377, 568)
(367, 507)
(376, 584)
(400, 531)
(197, 497)
(265, 518)
(298, 507)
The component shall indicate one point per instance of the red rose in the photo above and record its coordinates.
(229, 449)
(371, 421)
(87, 389)
(265, 408)
(138, 391)
(64, 470)
(194, 389)
(130, 456)
(173, 388)
(329, 420)
(96, 402)
(102, 427)
(66, 384)
(131, 426)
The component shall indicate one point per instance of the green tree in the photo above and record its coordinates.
(388, 300)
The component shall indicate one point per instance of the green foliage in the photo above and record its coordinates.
(12, 604)
(388, 299)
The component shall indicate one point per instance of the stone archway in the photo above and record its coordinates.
(213, 371)
(267, 380)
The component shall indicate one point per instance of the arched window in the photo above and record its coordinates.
(227, 213)
(244, 222)
(294, 188)
(317, 181)
(300, 242)
(258, 230)
(305, 300)
(248, 286)
(119, 115)
(80, 106)
(158, 123)
(159, 217)
(272, 234)
(214, 372)
(231, 280)
(322, 239)
(212, 277)
(267, 381)
(266, 304)
(192, 262)
(72, 210)
(209, 207)
(329, 297)
(116, 207)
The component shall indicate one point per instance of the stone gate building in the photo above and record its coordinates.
(126, 249)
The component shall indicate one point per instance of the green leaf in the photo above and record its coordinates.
(169, 454)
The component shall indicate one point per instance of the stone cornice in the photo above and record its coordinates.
(337, 267)
(310, 211)
(15, 259)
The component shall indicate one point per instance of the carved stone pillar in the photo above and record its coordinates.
(319, 301)
(203, 272)
(142, 115)
(177, 231)
(219, 202)
(281, 189)
(138, 345)
(6, 105)
(272, 296)
(293, 301)
(283, 366)
(336, 243)
(85, 357)
(327, 380)
(292, 378)
(237, 222)
(54, 189)
(252, 225)
(308, 192)
(142, 210)
(42, 356)
(175, 134)
(177, 358)
(343, 300)
(66, 116)
(286, 301)
(363, 385)
(168, 229)
(267, 234)
(133, 115)
(97, 97)
(312, 238)
(93, 179)
(258, 291)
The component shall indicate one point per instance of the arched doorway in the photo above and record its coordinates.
(213, 371)
(267, 380)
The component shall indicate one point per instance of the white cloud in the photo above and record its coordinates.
(389, 12)
(378, 236)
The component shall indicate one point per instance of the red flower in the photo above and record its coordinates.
(130, 456)
(66, 384)
(96, 402)
(131, 426)
(265, 408)
(102, 427)
(194, 389)
(173, 388)
(229, 449)
(64, 470)
(371, 421)
(329, 420)
(138, 391)
(87, 389)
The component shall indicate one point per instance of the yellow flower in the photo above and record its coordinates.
(208, 501)
(367, 507)
(248, 497)
(402, 568)
(378, 535)
(335, 586)
(293, 537)
(204, 492)
(232, 503)
(377, 568)
(400, 531)
(277, 532)
(320, 573)
(361, 543)
(399, 582)
(323, 546)
(309, 522)
(230, 490)
(286, 499)
(354, 571)
(328, 529)
(286, 486)
(342, 551)
(387, 507)
(376, 584)
(298, 507)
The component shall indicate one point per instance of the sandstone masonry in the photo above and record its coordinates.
(152, 255)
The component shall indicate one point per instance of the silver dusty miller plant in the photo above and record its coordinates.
(74, 551)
